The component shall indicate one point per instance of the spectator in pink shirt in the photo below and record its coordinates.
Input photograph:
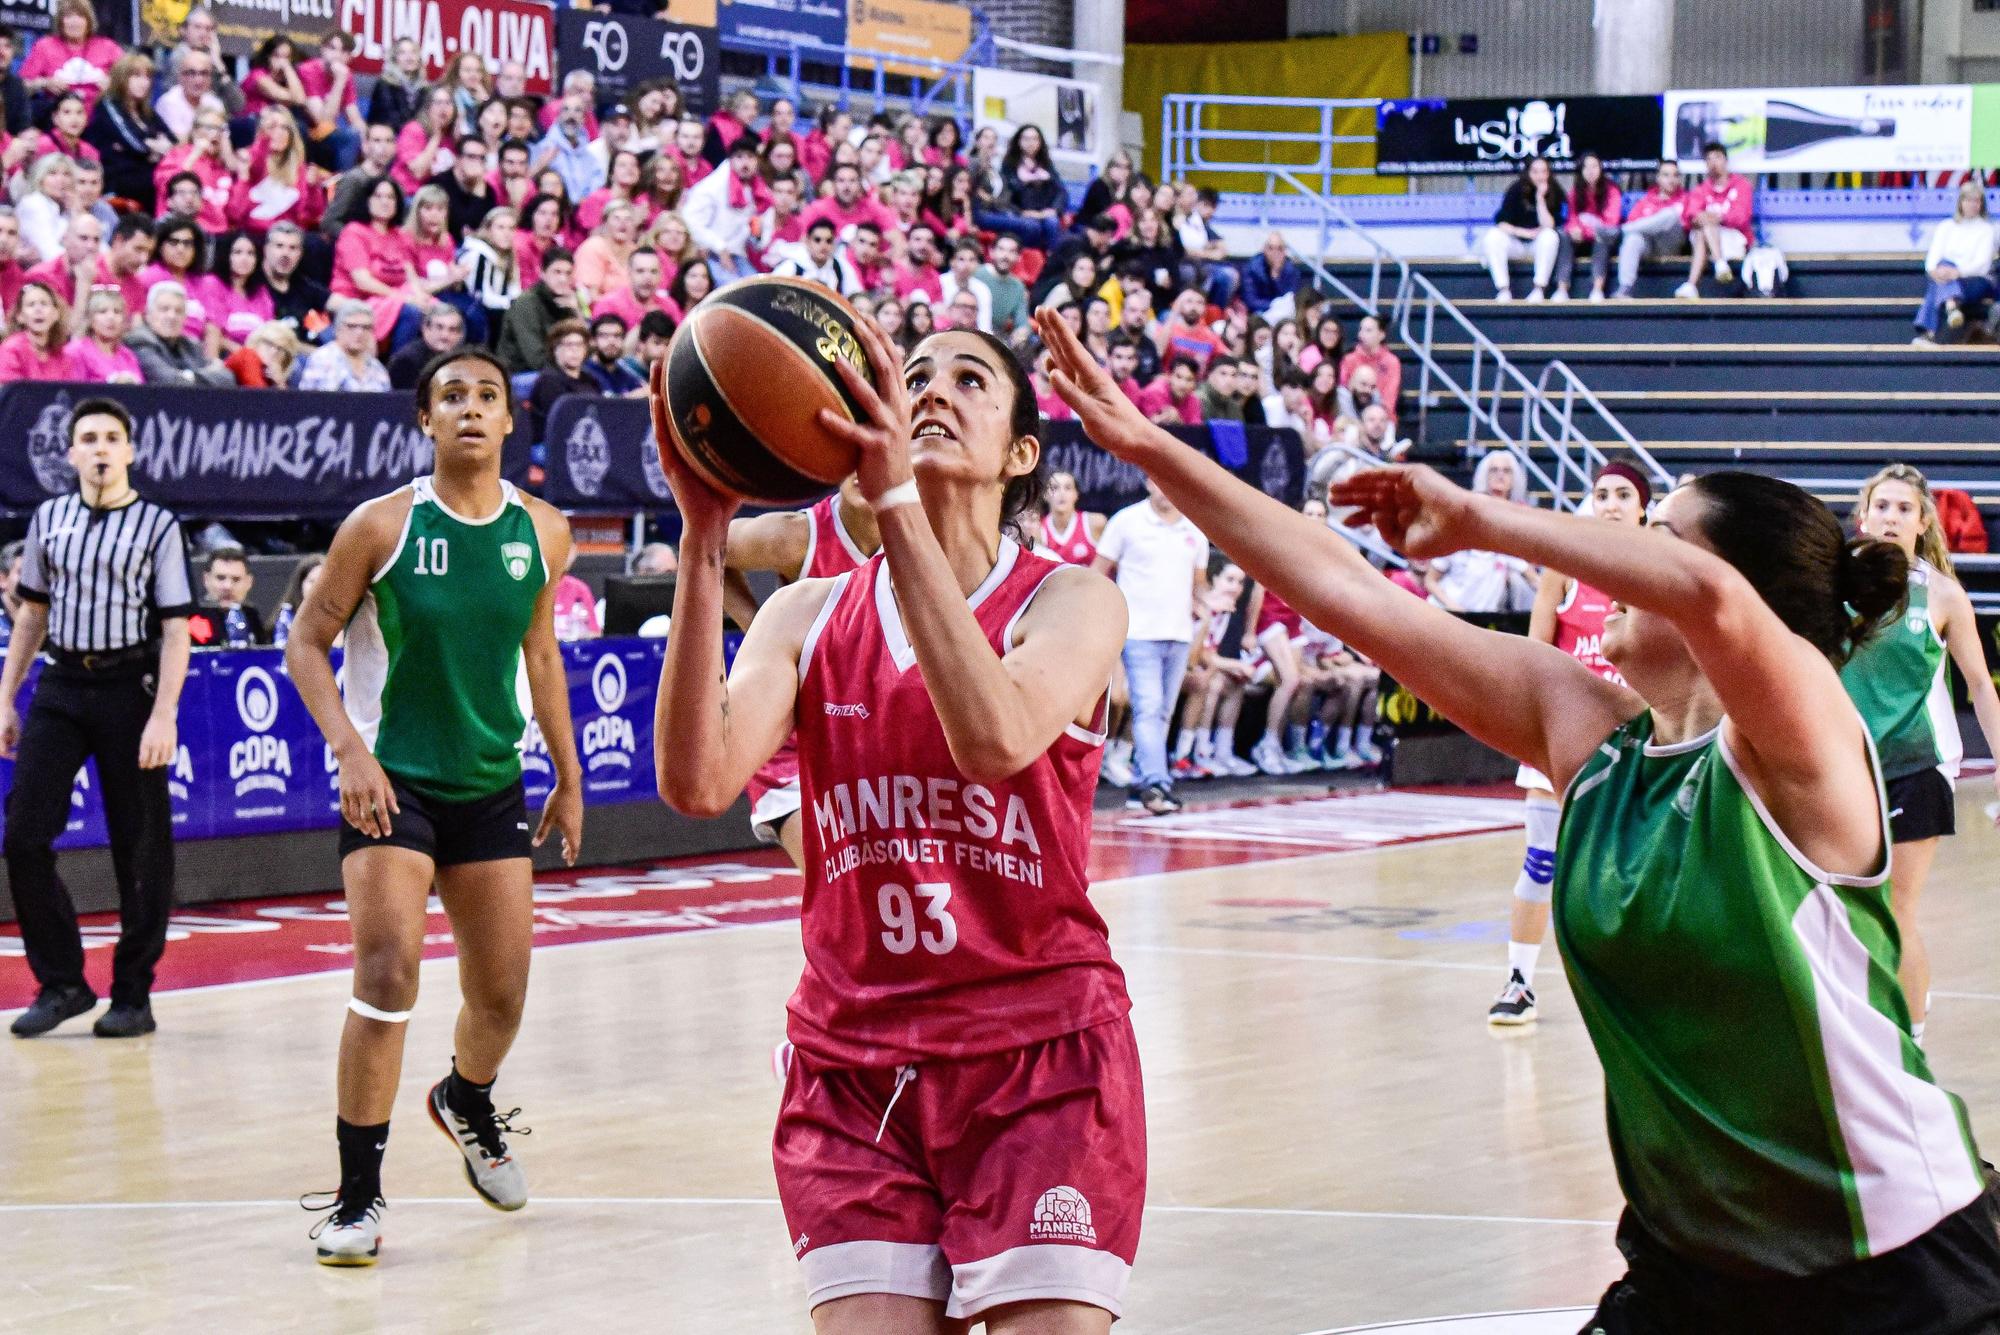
(1596, 209)
(72, 58)
(376, 262)
(423, 147)
(830, 130)
(1371, 350)
(848, 206)
(179, 246)
(644, 293)
(37, 348)
(919, 271)
(1654, 227)
(1717, 218)
(234, 292)
(1123, 363)
(98, 354)
(1173, 399)
(1047, 401)
(78, 260)
(332, 107)
(12, 273)
(208, 157)
(65, 136)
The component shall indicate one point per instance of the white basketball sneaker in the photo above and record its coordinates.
(351, 1234)
(493, 1172)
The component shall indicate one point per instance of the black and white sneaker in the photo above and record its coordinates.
(493, 1172)
(1157, 801)
(1516, 1003)
(351, 1234)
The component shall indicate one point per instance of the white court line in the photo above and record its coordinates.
(654, 1202)
(1114, 883)
(1390, 961)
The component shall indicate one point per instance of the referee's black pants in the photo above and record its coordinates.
(75, 715)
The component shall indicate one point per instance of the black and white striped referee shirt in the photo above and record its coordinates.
(109, 577)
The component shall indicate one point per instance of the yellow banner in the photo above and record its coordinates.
(916, 28)
(1375, 65)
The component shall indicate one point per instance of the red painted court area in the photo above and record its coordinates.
(251, 940)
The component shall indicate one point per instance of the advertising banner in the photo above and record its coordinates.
(783, 22)
(601, 458)
(919, 28)
(1496, 136)
(1910, 128)
(229, 453)
(251, 760)
(239, 24)
(29, 18)
(1064, 109)
(625, 51)
(499, 30)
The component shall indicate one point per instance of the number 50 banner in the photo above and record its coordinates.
(625, 50)
(1913, 128)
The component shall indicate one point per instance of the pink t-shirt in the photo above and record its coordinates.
(431, 260)
(910, 278)
(196, 284)
(387, 255)
(217, 184)
(1157, 396)
(20, 359)
(315, 78)
(53, 58)
(411, 140)
(622, 303)
(238, 315)
(863, 209)
(96, 366)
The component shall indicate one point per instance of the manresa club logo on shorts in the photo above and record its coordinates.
(1062, 1215)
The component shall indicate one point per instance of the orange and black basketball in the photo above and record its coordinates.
(746, 377)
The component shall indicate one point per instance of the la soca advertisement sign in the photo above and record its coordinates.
(1497, 136)
(1891, 128)
(251, 760)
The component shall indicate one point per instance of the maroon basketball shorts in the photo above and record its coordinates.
(1012, 1177)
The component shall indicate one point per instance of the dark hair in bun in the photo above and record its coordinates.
(1826, 587)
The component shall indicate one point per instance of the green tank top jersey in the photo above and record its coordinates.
(1768, 1110)
(1898, 681)
(435, 647)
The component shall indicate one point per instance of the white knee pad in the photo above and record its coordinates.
(368, 1012)
(1538, 869)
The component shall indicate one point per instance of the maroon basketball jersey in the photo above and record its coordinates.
(943, 918)
(1580, 628)
(829, 552)
(1075, 546)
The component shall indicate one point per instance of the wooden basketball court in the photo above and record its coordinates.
(1337, 1140)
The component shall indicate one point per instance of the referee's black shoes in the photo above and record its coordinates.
(51, 1008)
(125, 1020)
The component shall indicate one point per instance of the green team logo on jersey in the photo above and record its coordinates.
(516, 555)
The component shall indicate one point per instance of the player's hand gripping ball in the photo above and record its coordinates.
(746, 375)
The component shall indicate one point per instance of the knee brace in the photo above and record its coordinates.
(1538, 868)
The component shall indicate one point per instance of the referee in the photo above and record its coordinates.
(104, 581)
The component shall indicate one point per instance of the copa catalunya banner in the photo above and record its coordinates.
(1926, 127)
(499, 30)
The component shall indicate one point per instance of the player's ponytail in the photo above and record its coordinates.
(1826, 588)
(1931, 545)
(1873, 579)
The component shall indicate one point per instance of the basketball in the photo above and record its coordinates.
(746, 377)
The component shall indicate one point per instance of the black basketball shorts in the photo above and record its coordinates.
(450, 834)
(1920, 807)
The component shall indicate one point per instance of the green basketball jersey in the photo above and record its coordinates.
(434, 648)
(1766, 1105)
(1897, 679)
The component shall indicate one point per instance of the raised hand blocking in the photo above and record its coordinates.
(1113, 421)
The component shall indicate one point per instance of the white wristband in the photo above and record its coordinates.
(903, 493)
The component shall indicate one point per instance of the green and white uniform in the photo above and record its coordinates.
(434, 650)
(1898, 681)
(1767, 1108)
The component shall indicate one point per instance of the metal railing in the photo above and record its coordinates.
(1185, 133)
(1552, 425)
(938, 87)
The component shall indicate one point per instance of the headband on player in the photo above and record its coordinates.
(1619, 468)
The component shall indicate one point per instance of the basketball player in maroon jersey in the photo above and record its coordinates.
(1570, 615)
(962, 1137)
(828, 538)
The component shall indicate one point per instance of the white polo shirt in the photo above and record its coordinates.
(1157, 559)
